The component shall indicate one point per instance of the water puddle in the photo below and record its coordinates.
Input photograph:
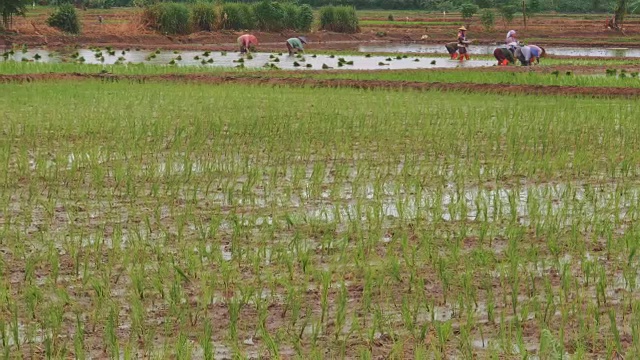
(259, 60)
(488, 50)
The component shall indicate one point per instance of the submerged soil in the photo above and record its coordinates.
(606, 92)
(124, 28)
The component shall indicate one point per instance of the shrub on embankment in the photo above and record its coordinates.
(267, 15)
(65, 18)
(339, 19)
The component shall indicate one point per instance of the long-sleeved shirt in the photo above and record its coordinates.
(462, 40)
(536, 51)
(523, 54)
(295, 43)
(247, 40)
(511, 37)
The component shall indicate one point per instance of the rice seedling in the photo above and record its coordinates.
(369, 227)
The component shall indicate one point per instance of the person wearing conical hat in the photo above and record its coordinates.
(462, 44)
(295, 44)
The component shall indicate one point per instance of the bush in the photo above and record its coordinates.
(327, 17)
(468, 10)
(339, 19)
(65, 18)
(305, 18)
(487, 19)
(237, 16)
(446, 6)
(204, 16)
(169, 18)
(269, 16)
(390, 17)
(291, 15)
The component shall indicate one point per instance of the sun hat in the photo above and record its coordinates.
(462, 28)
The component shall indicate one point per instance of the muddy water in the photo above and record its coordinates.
(488, 49)
(284, 61)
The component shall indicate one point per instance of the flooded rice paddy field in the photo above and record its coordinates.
(409, 48)
(234, 59)
(214, 221)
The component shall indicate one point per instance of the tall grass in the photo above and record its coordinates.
(339, 19)
(204, 16)
(238, 16)
(169, 18)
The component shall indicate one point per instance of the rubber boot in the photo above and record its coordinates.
(461, 58)
(505, 62)
(454, 56)
(467, 56)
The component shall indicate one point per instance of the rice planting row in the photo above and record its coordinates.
(199, 221)
(602, 78)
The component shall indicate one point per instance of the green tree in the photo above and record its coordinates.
(487, 19)
(468, 10)
(507, 12)
(619, 12)
(65, 18)
(11, 8)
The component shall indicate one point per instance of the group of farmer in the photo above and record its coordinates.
(506, 54)
(514, 49)
(248, 42)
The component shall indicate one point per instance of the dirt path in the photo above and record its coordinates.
(606, 92)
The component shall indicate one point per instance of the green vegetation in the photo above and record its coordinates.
(237, 16)
(178, 18)
(468, 10)
(339, 19)
(65, 18)
(169, 17)
(476, 76)
(204, 16)
(137, 221)
(9, 9)
(487, 19)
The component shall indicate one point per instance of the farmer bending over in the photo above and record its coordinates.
(504, 56)
(527, 54)
(247, 42)
(452, 49)
(295, 44)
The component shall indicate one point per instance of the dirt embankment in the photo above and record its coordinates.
(124, 28)
(607, 92)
